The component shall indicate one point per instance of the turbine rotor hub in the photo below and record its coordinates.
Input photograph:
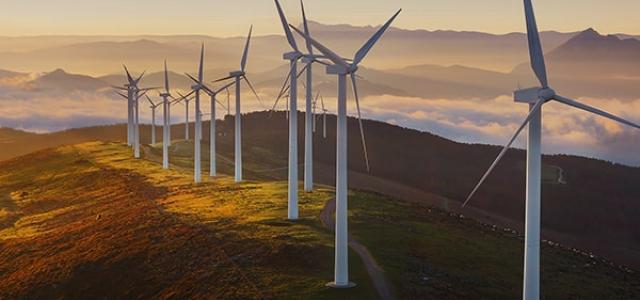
(546, 94)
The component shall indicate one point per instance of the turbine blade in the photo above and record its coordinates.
(315, 101)
(207, 89)
(286, 28)
(243, 63)
(201, 67)
(140, 77)
(225, 87)
(184, 97)
(364, 142)
(535, 46)
(220, 103)
(335, 58)
(148, 89)
(144, 93)
(535, 108)
(129, 77)
(166, 77)
(223, 79)
(192, 78)
(282, 91)
(373, 40)
(321, 62)
(149, 99)
(306, 28)
(121, 95)
(594, 110)
(254, 91)
(302, 71)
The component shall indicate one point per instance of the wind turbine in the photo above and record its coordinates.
(130, 87)
(324, 115)
(341, 68)
(153, 119)
(536, 97)
(212, 126)
(134, 96)
(166, 119)
(308, 59)
(293, 57)
(238, 76)
(197, 176)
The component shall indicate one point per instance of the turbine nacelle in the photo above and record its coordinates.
(533, 95)
(237, 74)
(307, 59)
(294, 55)
(341, 70)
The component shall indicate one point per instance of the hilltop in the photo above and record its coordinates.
(585, 202)
(89, 221)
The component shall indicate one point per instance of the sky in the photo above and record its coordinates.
(231, 18)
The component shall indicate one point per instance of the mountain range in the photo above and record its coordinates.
(572, 59)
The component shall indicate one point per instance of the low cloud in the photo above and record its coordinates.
(566, 129)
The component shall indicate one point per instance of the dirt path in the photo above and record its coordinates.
(560, 175)
(374, 270)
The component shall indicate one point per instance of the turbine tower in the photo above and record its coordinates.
(292, 57)
(166, 119)
(186, 118)
(212, 126)
(342, 69)
(308, 60)
(153, 119)
(197, 176)
(536, 97)
(238, 76)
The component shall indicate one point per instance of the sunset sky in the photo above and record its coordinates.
(226, 18)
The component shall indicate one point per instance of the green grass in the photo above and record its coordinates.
(425, 252)
(429, 254)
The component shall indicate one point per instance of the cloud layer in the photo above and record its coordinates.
(566, 129)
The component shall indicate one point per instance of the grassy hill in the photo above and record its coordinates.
(588, 204)
(89, 221)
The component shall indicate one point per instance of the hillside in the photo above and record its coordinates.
(589, 204)
(97, 223)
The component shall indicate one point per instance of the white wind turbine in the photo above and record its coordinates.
(153, 119)
(291, 111)
(292, 57)
(197, 176)
(134, 96)
(536, 97)
(341, 68)
(130, 87)
(308, 60)
(324, 116)
(238, 76)
(166, 119)
(186, 118)
(212, 126)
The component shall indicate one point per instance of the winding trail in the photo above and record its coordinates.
(560, 175)
(374, 270)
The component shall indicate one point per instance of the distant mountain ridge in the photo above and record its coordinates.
(590, 54)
